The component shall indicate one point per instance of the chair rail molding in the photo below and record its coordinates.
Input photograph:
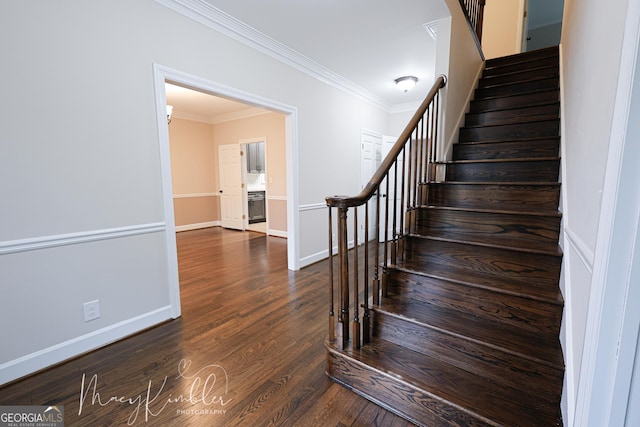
(52, 241)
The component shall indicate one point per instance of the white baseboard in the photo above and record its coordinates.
(319, 256)
(47, 357)
(197, 226)
(277, 233)
(313, 258)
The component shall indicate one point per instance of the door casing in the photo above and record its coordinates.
(163, 75)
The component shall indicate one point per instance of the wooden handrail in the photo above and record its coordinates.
(385, 166)
(403, 176)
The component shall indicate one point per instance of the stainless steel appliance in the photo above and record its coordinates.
(257, 211)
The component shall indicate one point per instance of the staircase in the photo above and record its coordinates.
(467, 330)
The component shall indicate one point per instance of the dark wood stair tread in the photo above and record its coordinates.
(531, 140)
(506, 79)
(501, 184)
(504, 184)
(511, 287)
(507, 149)
(502, 229)
(512, 77)
(529, 56)
(523, 124)
(504, 170)
(513, 120)
(496, 265)
(556, 214)
(520, 288)
(490, 71)
(532, 98)
(512, 244)
(520, 87)
(533, 346)
(523, 121)
(531, 128)
(467, 393)
(528, 226)
(552, 250)
(546, 111)
(553, 91)
(516, 159)
(526, 313)
(516, 196)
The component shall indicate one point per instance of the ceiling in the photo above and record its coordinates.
(367, 42)
(202, 107)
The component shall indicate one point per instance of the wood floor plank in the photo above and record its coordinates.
(244, 315)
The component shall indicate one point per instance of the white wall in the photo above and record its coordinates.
(606, 391)
(460, 60)
(591, 54)
(80, 162)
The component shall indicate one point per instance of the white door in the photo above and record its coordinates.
(370, 159)
(231, 187)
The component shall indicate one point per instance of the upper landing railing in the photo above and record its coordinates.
(474, 9)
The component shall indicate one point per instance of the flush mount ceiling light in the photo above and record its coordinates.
(406, 83)
(169, 111)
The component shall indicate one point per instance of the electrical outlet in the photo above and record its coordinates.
(91, 310)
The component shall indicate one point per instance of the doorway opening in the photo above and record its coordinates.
(256, 177)
(164, 75)
(514, 26)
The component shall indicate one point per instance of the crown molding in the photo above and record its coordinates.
(214, 18)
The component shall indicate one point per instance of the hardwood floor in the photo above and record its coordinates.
(247, 351)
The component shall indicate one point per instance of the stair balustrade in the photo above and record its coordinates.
(474, 9)
(387, 204)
